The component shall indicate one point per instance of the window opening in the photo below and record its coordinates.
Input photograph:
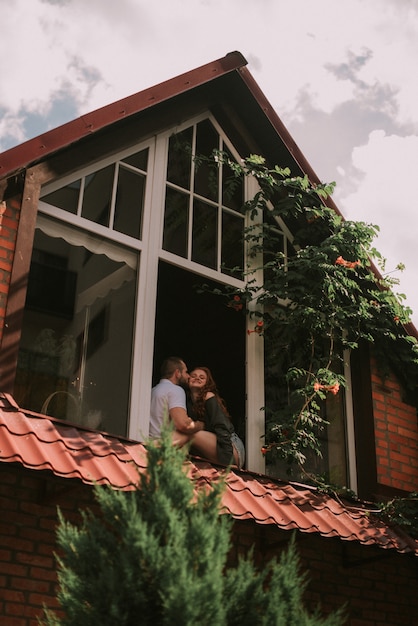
(201, 329)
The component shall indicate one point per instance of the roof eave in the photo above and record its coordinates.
(42, 146)
(42, 443)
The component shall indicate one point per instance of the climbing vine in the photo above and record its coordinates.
(317, 300)
(403, 512)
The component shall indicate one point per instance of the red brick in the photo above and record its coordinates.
(11, 595)
(27, 584)
(9, 245)
(16, 621)
(14, 609)
(35, 559)
(40, 573)
(11, 569)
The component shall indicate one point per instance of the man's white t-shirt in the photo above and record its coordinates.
(164, 396)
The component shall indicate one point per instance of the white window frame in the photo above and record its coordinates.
(150, 252)
(255, 416)
(349, 424)
(153, 254)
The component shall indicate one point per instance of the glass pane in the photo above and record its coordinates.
(274, 243)
(232, 188)
(98, 196)
(65, 198)
(176, 222)
(129, 203)
(232, 244)
(205, 234)
(335, 444)
(206, 176)
(139, 160)
(180, 158)
(332, 466)
(69, 347)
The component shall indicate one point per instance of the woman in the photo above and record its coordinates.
(218, 442)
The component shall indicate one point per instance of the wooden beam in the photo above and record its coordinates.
(19, 279)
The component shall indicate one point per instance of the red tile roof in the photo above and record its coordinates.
(39, 442)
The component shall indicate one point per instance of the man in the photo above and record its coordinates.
(168, 399)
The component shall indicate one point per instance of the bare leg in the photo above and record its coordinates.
(204, 444)
(236, 457)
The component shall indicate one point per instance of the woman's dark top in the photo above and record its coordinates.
(218, 423)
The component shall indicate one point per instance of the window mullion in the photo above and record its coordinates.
(191, 196)
(219, 230)
(80, 196)
(113, 198)
(255, 421)
(143, 345)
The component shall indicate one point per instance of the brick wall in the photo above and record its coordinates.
(28, 503)
(396, 434)
(379, 586)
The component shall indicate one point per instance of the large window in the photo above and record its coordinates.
(332, 465)
(120, 252)
(75, 352)
(89, 333)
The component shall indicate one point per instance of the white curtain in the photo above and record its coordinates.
(93, 243)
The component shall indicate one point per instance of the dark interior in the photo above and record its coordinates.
(202, 330)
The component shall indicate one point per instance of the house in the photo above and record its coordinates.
(100, 269)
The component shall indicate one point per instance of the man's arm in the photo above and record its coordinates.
(183, 423)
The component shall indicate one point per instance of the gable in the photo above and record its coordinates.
(224, 86)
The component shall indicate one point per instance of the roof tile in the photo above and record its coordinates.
(40, 442)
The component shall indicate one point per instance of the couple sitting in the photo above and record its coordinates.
(205, 423)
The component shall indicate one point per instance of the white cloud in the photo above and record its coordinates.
(132, 44)
(386, 196)
(334, 71)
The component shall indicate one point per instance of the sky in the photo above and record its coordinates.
(341, 74)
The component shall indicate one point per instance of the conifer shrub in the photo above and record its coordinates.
(158, 555)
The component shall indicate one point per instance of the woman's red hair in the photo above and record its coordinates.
(210, 385)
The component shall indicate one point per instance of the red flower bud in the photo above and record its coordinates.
(344, 263)
(258, 328)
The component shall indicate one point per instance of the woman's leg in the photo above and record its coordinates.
(239, 450)
(204, 444)
(236, 456)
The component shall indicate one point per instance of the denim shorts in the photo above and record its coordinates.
(239, 447)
